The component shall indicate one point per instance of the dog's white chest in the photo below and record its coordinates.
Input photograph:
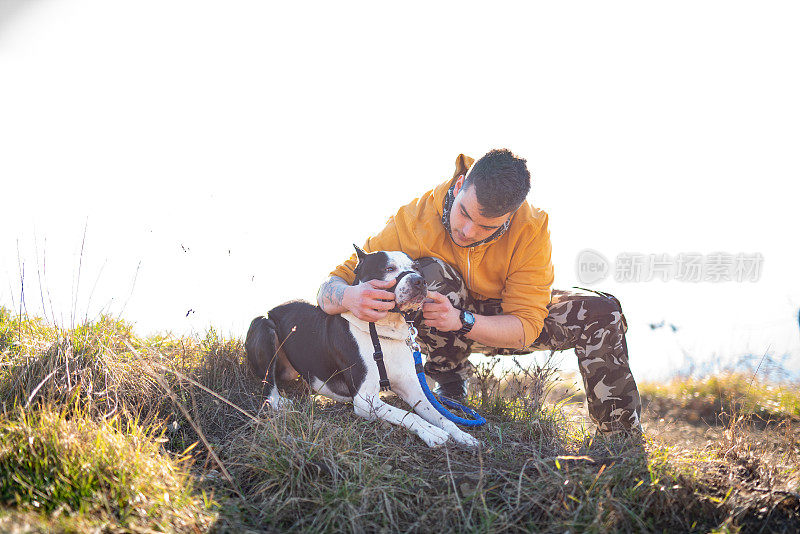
(397, 356)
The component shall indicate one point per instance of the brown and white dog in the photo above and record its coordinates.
(334, 353)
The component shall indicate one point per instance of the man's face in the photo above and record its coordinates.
(467, 225)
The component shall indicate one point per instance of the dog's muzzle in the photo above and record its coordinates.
(397, 283)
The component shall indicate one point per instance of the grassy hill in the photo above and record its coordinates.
(102, 430)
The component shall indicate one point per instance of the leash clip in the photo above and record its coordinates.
(411, 341)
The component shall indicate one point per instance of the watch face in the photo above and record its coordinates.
(469, 318)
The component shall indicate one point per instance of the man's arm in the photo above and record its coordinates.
(331, 294)
(528, 286)
(501, 331)
(368, 301)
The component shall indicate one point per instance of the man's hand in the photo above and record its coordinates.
(368, 301)
(440, 314)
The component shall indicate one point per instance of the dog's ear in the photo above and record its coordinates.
(360, 253)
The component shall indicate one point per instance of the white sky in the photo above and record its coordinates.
(285, 132)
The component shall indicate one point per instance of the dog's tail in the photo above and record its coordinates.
(260, 346)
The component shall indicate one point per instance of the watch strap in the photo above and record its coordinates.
(465, 327)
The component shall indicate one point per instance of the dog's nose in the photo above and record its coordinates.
(417, 283)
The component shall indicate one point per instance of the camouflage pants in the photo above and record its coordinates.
(589, 321)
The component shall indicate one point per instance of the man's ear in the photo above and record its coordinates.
(360, 253)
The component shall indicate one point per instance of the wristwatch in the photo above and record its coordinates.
(467, 322)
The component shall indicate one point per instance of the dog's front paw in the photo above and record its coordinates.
(434, 437)
(465, 439)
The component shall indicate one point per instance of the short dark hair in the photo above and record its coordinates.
(501, 181)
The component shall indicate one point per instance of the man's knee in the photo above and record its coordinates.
(604, 308)
(442, 278)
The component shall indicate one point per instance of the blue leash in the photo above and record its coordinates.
(476, 420)
(384, 379)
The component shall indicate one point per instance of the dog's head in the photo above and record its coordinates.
(409, 291)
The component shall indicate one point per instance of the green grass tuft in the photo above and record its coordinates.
(60, 465)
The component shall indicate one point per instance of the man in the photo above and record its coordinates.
(485, 253)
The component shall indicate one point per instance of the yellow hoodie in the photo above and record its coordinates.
(516, 267)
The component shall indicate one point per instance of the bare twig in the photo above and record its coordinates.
(207, 390)
(38, 387)
(78, 279)
(133, 286)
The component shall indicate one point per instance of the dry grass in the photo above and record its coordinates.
(718, 398)
(317, 467)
